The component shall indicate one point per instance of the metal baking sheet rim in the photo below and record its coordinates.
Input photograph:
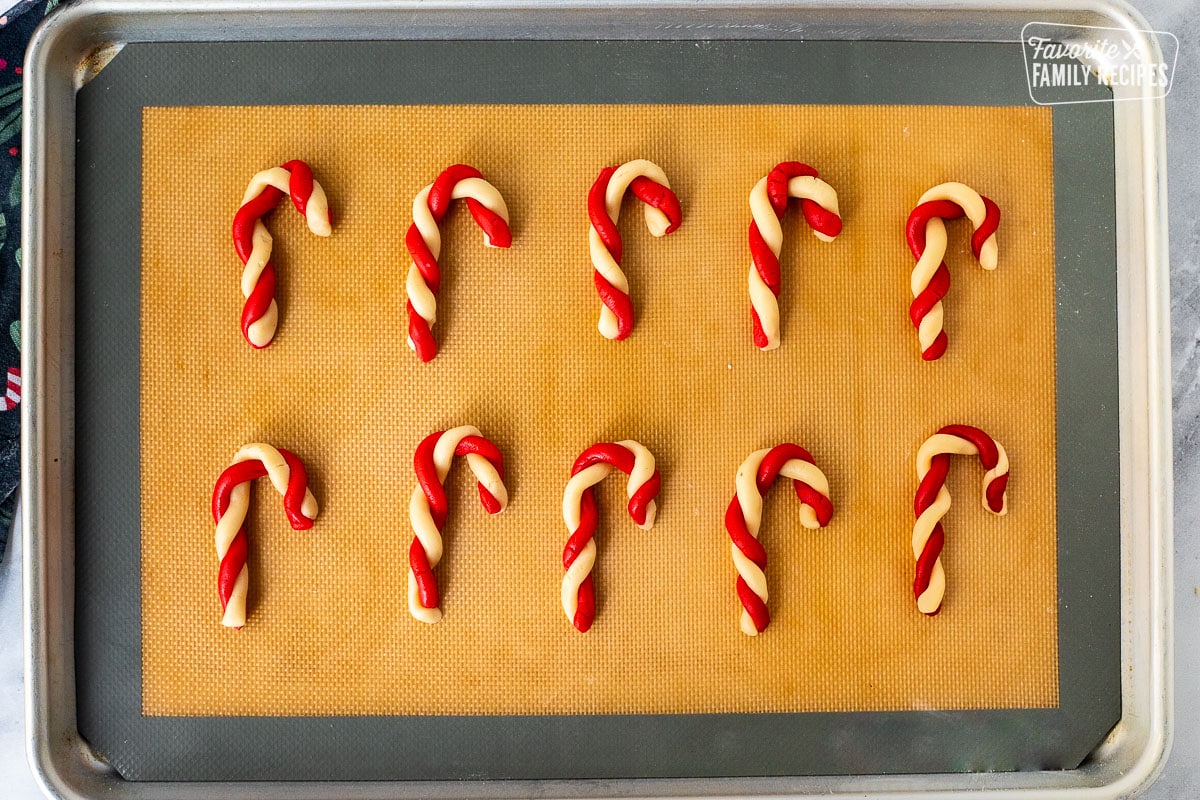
(74, 43)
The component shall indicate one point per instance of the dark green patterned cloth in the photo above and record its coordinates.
(15, 29)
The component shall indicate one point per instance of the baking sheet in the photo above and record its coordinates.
(733, 761)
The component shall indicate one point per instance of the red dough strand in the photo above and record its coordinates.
(253, 244)
(932, 501)
(744, 517)
(429, 506)
(768, 203)
(229, 509)
(931, 278)
(582, 517)
(647, 183)
(423, 241)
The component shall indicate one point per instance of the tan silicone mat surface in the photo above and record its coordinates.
(329, 630)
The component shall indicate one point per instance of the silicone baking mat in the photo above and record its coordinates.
(329, 633)
(521, 358)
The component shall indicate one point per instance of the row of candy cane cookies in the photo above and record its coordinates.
(925, 232)
(429, 506)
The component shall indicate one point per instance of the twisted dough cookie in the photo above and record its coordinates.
(926, 234)
(933, 501)
(424, 242)
(428, 507)
(768, 202)
(649, 184)
(581, 516)
(231, 502)
(252, 240)
(744, 518)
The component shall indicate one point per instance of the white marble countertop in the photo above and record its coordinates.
(1181, 777)
(17, 777)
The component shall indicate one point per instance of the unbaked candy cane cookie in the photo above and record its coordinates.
(649, 184)
(424, 242)
(933, 501)
(252, 240)
(926, 234)
(744, 518)
(428, 507)
(768, 202)
(230, 504)
(581, 516)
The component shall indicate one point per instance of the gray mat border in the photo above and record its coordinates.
(108, 614)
